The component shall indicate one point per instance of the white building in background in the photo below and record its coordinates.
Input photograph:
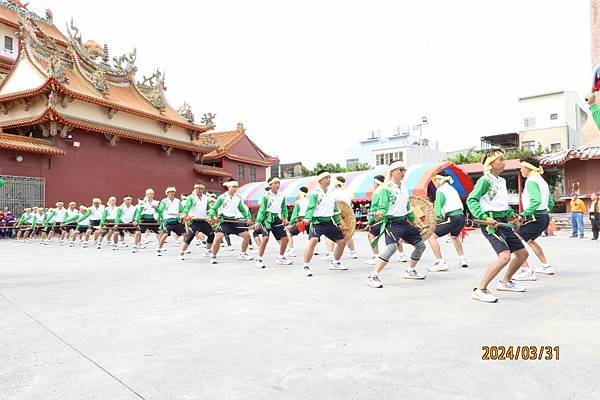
(552, 120)
(401, 146)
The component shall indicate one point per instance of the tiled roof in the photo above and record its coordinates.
(10, 18)
(211, 171)
(81, 74)
(561, 157)
(28, 145)
(51, 114)
(227, 139)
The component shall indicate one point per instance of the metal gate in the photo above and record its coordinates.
(20, 192)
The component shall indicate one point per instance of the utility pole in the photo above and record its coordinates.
(420, 143)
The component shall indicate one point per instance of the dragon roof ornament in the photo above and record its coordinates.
(153, 89)
(186, 112)
(44, 48)
(21, 8)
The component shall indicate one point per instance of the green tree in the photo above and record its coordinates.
(471, 156)
(333, 168)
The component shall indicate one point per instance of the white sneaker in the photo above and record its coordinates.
(245, 257)
(374, 282)
(98, 246)
(229, 248)
(283, 261)
(134, 250)
(372, 260)
(403, 257)
(353, 254)
(85, 245)
(188, 251)
(259, 264)
(114, 247)
(181, 256)
(213, 260)
(510, 286)
(290, 253)
(328, 257)
(438, 266)
(547, 270)
(207, 254)
(463, 262)
(483, 295)
(337, 267)
(158, 252)
(412, 273)
(306, 271)
(71, 244)
(525, 274)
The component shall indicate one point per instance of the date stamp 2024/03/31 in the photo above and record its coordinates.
(501, 353)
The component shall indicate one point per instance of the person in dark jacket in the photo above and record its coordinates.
(595, 215)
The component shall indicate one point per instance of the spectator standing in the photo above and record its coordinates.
(595, 215)
(577, 210)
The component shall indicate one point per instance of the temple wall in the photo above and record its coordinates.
(96, 169)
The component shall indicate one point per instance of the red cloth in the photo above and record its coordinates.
(301, 226)
(596, 87)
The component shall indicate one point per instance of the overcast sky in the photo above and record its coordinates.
(310, 78)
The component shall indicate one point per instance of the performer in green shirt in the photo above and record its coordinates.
(489, 201)
(374, 227)
(324, 218)
(398, 224)
(298, 213)
(169, 212)
(451, 220)
(273, 216)
(537, 202)
(195, 215)
(224, 213)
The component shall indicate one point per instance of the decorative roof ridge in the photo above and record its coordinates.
(21, 8)
(24, 138)
(29, 145)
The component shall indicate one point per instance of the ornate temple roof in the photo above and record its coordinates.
(225, 142)
(9, 15)
(28, 145)
(82, 71)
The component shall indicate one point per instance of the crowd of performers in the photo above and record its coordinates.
(211, 220)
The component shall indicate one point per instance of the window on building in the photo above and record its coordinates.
(528, 145)
(388, 158)
(241, 173)
(252, 174)
(555, 146)
(529, 122)
(8, 43)
(351, 162)
(554, 116)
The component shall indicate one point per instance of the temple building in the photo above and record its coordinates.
(235, 156)
(79, 125)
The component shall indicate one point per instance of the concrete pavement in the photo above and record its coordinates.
(101, 324)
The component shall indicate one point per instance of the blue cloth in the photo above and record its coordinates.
(577, 224)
